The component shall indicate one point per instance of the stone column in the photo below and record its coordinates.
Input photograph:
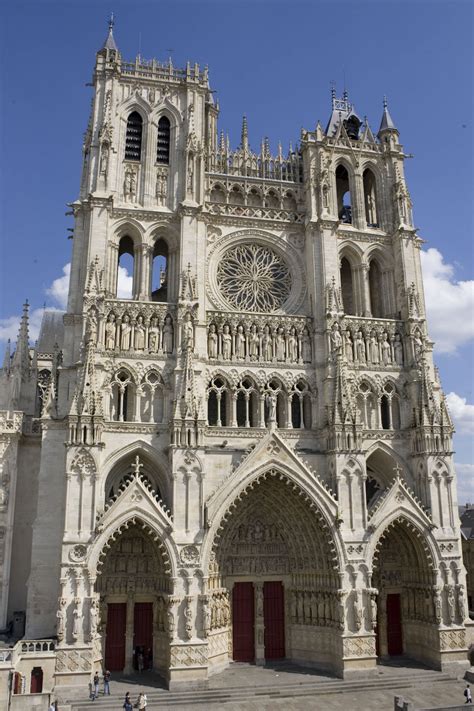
(259, 626)
(128, 669)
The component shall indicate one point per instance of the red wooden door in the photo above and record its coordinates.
(243, 622)
(36, 685)
(274, 620)
(394, 625)
(143, 628)
(115, 636)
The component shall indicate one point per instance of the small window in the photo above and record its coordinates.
(133, 140)
(163, 143)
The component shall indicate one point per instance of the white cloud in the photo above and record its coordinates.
(60, 287)
(465, 479)
(449, 303)
(9, 327)
(461, 412)
(124, 284)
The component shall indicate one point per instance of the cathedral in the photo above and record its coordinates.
(246, 455)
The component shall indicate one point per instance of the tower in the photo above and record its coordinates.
(245, 451)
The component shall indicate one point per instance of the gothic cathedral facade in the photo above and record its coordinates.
(247, 456)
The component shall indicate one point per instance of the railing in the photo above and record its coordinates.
(246, 163)
(31, 425)
(157, 70)
(265, 213)
(36, 646)
(10, 421)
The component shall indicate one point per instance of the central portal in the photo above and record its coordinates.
(244, 623)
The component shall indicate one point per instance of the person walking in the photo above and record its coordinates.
(467, 694)
(107, 683)
(127, 703)
(96, 685)
(141, 701)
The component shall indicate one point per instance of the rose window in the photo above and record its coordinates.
(253, 278)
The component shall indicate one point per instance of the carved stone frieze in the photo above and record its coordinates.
(72, 660)
(188, 655)
(358, 647)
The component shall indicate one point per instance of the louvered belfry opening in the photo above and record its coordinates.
(133, 141)
(163, 143)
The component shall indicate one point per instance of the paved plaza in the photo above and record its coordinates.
(285, 686)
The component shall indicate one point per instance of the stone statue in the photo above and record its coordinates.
(385, 349)
(187, 333)
(267, 344)
(292, 346)
(418, 346)
(161, 187)
(168, 335)
(110, 332)
(451, 604)
(61, 619)
(226, 343)
(357, 613)
(130, 185)
(271, 401)
(92, 326)
(348, 347)
(212, 340)
(153, 335)
(460, 601)
(360, 347)
(373, 609)
(206, 616)
(139, 337)
(240, 343)
(253, 343)
(104, 158)
(76, 618)
(306, 346)
(94, 613)
(336, 340)
(437, 606)
(398, 349)
(280, 345)
(126, 334)
(373, 348)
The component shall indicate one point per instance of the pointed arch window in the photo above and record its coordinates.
(163, 142)
(344, 202)
(133, 138)
(375, 289)
(370, 199)
(347, 287)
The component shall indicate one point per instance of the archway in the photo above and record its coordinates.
(133, 583)
(404, 576)
(273, 578)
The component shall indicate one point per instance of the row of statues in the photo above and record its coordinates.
(373, 348)
(125, 334)
(257, 343)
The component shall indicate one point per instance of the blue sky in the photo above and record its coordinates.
(273, 61)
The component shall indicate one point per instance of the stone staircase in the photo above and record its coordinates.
(157, 698)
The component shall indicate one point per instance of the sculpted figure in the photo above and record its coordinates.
(92, 326)
(139, 337)
(357, 613)
(336, 340)
(306, 346)
(418, 344)
(398, 349)
(360, 347)
(76, 622)
(348, 347)
(61, 619)
(226, 343)
(253, 343)
(292, 346)
(280, 345)
(212, 341)
(153, 335)
(125, 338)
(104, 157)
(187, 332)
(385, 348)
(161, 187)
(450, 601)
(373, 348)
(110, 332)
(168, 335)
(460, 601)
(267, 344)
(94, 613)
(240, 343)
(271, 401)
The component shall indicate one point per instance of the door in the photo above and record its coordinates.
(36, 685)
(274, 619)
(115, 636)
(394, 625)
(243, 622)
(143, 631)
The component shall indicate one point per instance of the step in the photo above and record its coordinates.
(286, 690)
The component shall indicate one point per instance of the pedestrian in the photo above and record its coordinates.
(96, 685)
(467, 694)
(141, 701)
(107, 683)
(140, 661)
(127, 704)
(54, 706)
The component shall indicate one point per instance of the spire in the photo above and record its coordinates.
(387, 122)
(244, 140)
(7, 357)
(21, 358)
(110, 41)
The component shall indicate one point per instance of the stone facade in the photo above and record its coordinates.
(250, 456)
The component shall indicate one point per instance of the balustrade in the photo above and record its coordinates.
(266, 213)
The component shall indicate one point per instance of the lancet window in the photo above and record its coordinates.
(42, 385)
(344, 201)
(121, 401)
(347, 287)
(370, 199)
(390, 408)
(247, 404)
(159, 277)
(218, 403)
(125, 285)
(163, 142)
(376, 289)
(300, 406)
(133, 138)
(367, 406)
(152, 398)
